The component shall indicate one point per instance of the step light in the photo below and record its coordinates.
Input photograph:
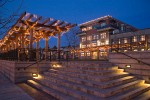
(128, 66)
(34, 75)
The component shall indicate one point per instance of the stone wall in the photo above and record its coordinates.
(17, 71)
(139, 69)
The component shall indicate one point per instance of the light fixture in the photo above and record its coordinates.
(128, 66)
(34, 75)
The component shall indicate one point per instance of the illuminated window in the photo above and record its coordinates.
(82, 54)
(84, 29)
(83, 46)
(98, 42)
(88, 53)
(103, 35)
(142, 37)
(95, 37)
(94, 44)
(83, 39)
(88, 45)
(134, 39)
(89, 28)
(89, 38)
(125, 40)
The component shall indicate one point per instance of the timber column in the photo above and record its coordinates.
(46, 48)
(58, 46)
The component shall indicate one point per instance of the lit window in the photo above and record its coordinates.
(84, 29)
(89, 28)
(82, 54)
(142, 37)
(88, 53)
(89, 38)
(88, 45)
(103, 35)
(134, 39)
(95, 37)
(125, 40)
(83, 39)
(94, 44)
(98, 42)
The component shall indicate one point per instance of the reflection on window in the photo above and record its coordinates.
(95, 37)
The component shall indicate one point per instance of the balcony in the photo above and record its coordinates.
(81, 33)
(106, 27)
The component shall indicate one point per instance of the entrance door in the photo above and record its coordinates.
(95, 55)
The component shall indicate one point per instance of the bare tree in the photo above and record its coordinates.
(72, 38)
(8, 16)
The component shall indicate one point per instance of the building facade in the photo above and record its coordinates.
(100, 36)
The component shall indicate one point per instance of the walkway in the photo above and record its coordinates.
(9, 91)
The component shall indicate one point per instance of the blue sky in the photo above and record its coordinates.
(133, 12)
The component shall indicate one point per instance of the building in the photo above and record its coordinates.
(100, 36)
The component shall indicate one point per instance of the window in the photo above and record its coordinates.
(84, 29)
(134, 39)
(88, 45)
(89, 28)
(95, 37)
(103, 24)
(89, 38)
(88, 53)
(94, 44)
(82, 54)
(125, 40)
(103, 35)
(142, 37)
(122, 27)
(83, 39)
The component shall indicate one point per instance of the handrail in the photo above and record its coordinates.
(139, 61)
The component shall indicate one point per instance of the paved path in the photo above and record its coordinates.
(9, 91)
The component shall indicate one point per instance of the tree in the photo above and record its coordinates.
(8, 16)
(72, 38)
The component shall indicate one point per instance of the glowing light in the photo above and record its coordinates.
(34, 75)
(128, 66)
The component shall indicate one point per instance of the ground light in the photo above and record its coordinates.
(128, 66)
(34, 75)
(56, 66)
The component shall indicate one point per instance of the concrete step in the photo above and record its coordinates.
(87, 72)
(54, 93)
(145, 95)
(69, 91)
(135, 92)
(89, 77)
(95, 84)
(92, 90)
(95, 68)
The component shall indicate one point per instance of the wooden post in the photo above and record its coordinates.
(58, 46)
(46, 48)
(37, 50)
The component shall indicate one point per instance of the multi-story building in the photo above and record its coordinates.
(100, 36)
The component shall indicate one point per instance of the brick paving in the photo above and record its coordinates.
(9, 91)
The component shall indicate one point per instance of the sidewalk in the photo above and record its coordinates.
(9, 91)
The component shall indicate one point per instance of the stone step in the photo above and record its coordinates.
(144, 96)
(52, 92)
(90, 78)
(92, 90)
(95, 68)
(135, 93)
(71, 92)
(97, 84)
(87, 72)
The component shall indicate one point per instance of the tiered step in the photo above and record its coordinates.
(90, 83)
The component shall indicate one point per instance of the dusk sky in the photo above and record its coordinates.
(133, 12)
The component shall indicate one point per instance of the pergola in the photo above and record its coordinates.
(30, 28)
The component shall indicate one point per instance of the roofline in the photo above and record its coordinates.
(94, 20)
